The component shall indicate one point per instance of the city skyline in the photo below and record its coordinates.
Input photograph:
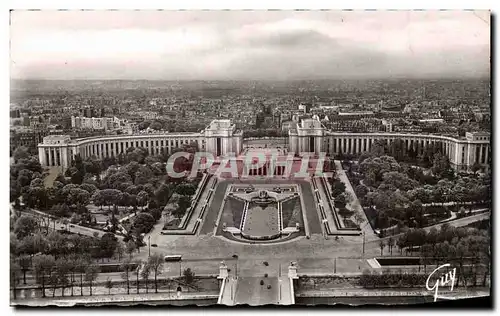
(258, 45)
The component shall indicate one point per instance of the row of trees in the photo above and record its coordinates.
(468, 250)
(391, 279)
(79, 270)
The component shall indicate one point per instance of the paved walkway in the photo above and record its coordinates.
(228, 292)
(326, 205)
(355, 205)
(456, 293)
(250, 291)
(455, 223)
(212, 212)
(73, 228)
(113, 299)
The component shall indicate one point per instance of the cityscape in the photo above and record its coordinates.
(268, 158)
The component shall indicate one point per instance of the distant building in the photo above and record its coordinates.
(92, 112)
(97, 123)
(432, 121)
(259, 120)
(306, 107)
(30, 138)
(360, 113)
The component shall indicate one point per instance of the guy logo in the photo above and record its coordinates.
(447, 278)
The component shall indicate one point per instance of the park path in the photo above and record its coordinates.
(354, 204)
(326, 205)
(73, 228)
(455, 223)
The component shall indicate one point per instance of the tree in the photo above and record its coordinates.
(109, 285)
(107, 245)
(358, 219)
(390, 244)
(24, 226)
(145, 272)
(361, 191)
(24, 177)
(338, 187)
(142, 198)
(396, 180)
(143, 175)
(130, 247)
(381, 244)
(43, 266)
(54, 281)
(185, 189)
(119, 250)
(98, 198)
(111, 197)
(119, 179)
(143, 223)
(188, 276)
(91, 273)
(132, 168)
(162, 194)
(56, 244)
(14, 276)
(72, 261)
(476, 167)
(137, 273)
(127, 269)
(156, 125)
(155, 261)
(24, 263)
(401, 243)
(20, 152)
(374, 168)
(78, 196)
(62, 269)
(441, 166)
(340, 201)
(426, 252)
(80, 264)
(90, 188)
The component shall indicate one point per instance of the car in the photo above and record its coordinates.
(154, 245)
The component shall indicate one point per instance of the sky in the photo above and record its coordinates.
(249, 45)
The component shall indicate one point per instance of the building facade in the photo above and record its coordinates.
(221, 137)
(96, 123)
(311, 136)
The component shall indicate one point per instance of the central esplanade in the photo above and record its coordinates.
(221, 137)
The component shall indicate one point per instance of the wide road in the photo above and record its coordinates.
(214, 208)
(311, 211)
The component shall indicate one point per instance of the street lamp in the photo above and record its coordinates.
(149, 242)
(363, 244)
(236, 266)
(280, 290)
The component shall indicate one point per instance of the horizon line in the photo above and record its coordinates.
(279, 80)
